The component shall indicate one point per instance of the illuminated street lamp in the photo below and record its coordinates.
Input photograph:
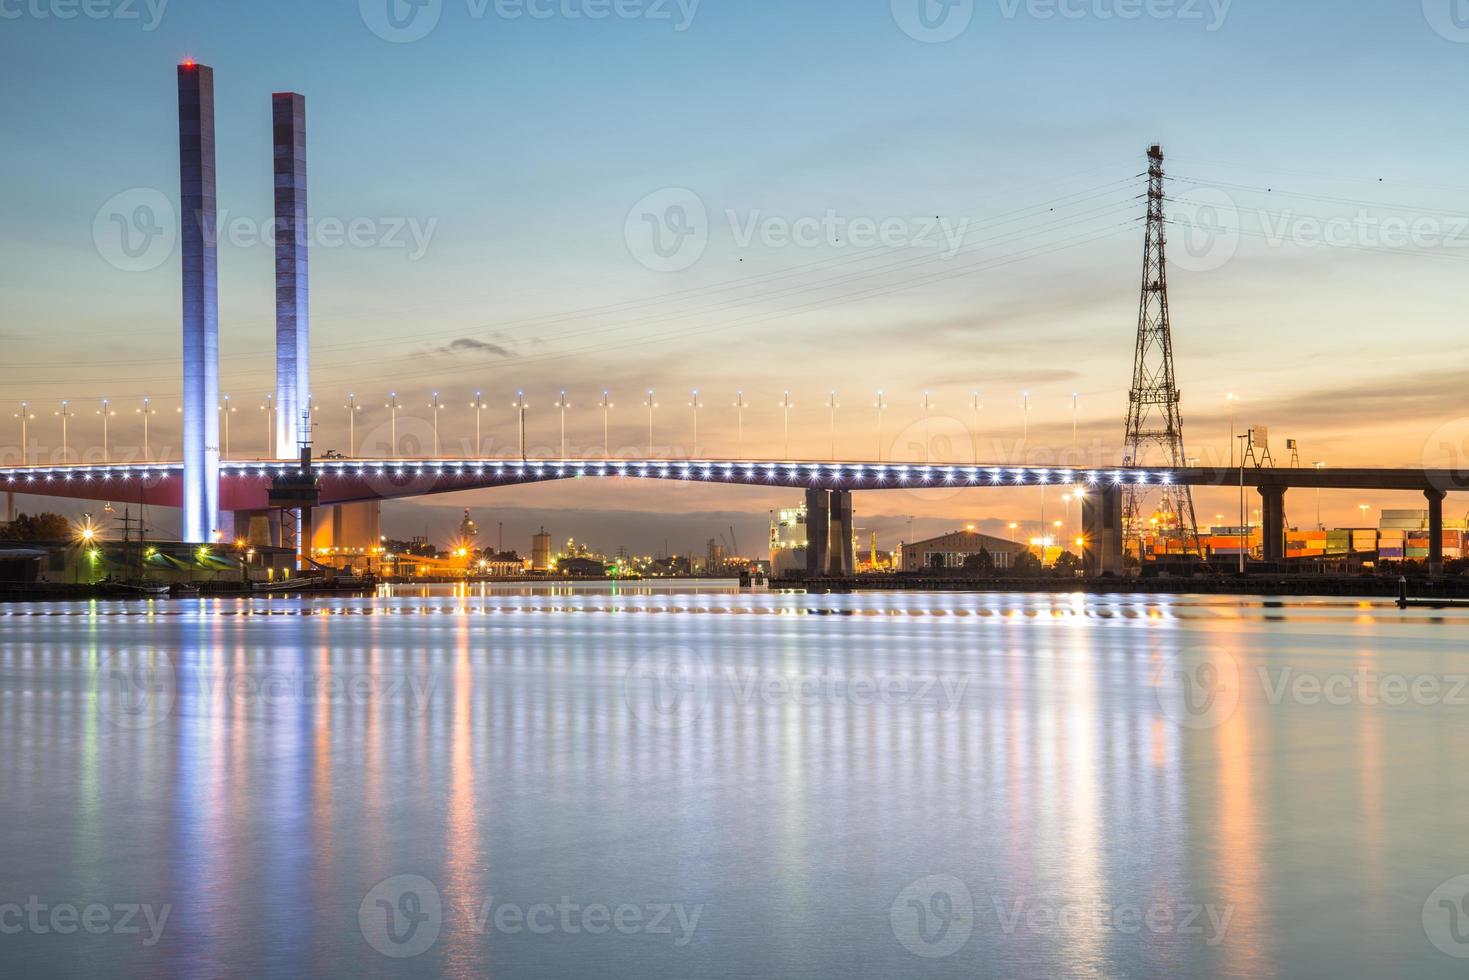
(225, 409)
(785, 404)
(880, 404)
(1319, 525)
(606, 413)
(1025, 425)
(520, 407)
(25, 416)
(651, 405)
(1074, 404)
(1233, 400)
(352, 409)
(392, 407)
(740, 423)
(146, 411)
(65, 414)
(696, 405)
(927, 424)
(435, 406)
(975, 406)
(268, 408)
(831, 403)
(479, 411)
(1364, 508)
(106, 412)
(563, 405)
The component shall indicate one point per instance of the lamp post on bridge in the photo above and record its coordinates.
(740, 423)
(1025, 427)
(880, 405)
(831, 404)
(435, 405)
(1319, 526)
(479, 410)
(148, 410)
(106, 412)
(786, 404)
(1233, 400)
(392, 407)
(651, 405)
(606, 426)
(696, 405)
(268, 408)
(352, 410)
(975, 406)
(25, 416)
(65, 414)
(563, 405)
(927, 426)
(520, 407)
(225, 409)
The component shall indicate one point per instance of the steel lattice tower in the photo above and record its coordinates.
(1153, 419)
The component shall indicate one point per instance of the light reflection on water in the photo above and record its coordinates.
(800, 769)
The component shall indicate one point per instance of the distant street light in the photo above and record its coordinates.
(1074, 405)
(740, 424)
(1319, 526)
(435, 405)
(146, 411)
(927, 425)
(1364, 508)
(1025, 426)
(695, 405)
(879, 405)
(352, 409)
(831, 403)
(392, 407)
(1233, 400)
(975, 406)
(651, 405)
(606, 427)
(786, 405)
(563, 405)
(25, 416)
(479, 413)
(225, 409)
(106, 413)
(520, 407)
(268, 408)
(65, 414)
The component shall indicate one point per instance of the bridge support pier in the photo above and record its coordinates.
(1101, 529)
(1435, 531)
(10, 506)
(818, 532)
(843, 560)
(1273, 522)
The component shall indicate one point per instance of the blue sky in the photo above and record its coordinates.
(519, 151)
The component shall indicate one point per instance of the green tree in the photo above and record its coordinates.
(39, 527)
(980, 564)
(1068, 564)
(1026, 563)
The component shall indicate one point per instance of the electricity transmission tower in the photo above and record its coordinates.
(1153, 420)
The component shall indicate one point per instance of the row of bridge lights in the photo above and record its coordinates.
(436, 405)
(798, 474)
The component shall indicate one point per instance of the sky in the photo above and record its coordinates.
(912, 196)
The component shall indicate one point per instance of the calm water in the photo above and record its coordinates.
(698, 784)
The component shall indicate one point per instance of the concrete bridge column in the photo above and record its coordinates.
(1273, 522)
(843, 560)
(818, 530)
(1435, 531)
(1101, 529)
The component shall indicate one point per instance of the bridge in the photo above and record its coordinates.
(216, 494)
(244, 488)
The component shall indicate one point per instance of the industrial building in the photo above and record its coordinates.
(952, 549)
